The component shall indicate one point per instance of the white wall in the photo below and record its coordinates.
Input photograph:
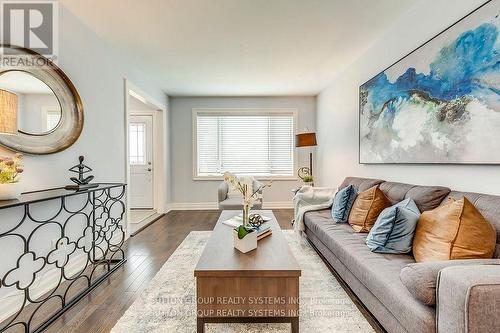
(98, 73)
(31, 117)
(186, 192)
(97, 70)
(337, 115)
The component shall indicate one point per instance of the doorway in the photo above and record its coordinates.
(145, 159)
(141, 161)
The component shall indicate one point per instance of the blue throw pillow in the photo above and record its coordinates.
(394, 229)
(342, 203)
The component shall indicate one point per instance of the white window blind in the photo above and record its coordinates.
(254, 143)
(53, 118)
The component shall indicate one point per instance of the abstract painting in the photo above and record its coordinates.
(440, 103)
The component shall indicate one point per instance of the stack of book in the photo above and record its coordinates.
(262, 232)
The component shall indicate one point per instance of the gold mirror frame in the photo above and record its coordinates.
(71, 124)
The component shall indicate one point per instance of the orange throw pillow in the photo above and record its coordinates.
(366, 208)
(455, 230)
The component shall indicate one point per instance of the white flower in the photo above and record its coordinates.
(245, 186)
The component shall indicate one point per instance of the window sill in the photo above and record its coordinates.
(273, 178)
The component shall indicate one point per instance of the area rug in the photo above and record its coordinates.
(168, 304)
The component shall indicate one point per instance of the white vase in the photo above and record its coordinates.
(247, 244)
(10, 191)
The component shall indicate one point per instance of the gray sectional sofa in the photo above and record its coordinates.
(468, 298)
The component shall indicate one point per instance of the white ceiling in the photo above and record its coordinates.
(240, 47)
(138, 105)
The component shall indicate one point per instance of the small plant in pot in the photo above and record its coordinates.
(10, 170)
(245, 238)
(308, 180)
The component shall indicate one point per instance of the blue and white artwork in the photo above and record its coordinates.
(441, 103)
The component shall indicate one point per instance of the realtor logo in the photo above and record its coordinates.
(30, 24)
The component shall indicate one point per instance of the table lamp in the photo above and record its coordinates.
(8, 112)
(306, 140)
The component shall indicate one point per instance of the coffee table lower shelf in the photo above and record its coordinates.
(247, 299)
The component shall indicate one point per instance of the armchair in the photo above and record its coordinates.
(235, 203)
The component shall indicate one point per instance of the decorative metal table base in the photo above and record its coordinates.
(40, 282)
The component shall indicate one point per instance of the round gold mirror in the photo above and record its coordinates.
(47, 108)
(38, 109)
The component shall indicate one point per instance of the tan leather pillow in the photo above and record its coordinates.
(366, 208)
(455, 230)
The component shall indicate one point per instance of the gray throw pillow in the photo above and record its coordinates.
(421, 278)
(394, 229)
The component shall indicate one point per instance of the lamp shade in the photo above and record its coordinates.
(8, 112)
(305, 140)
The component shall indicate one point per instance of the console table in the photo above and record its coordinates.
(56, 246)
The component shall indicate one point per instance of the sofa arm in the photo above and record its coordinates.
(468, 299)
(222, 191)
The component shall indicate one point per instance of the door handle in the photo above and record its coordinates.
(149, 169)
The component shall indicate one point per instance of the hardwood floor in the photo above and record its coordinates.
(146, 253)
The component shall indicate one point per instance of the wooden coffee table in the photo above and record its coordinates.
(261, 286)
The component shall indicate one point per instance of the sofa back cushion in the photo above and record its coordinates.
(426, 197)
(488, 206)
(455, 230)
(362, 184)
(366, 209)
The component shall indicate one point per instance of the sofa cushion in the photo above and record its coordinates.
(455, 230)
(234, 193)
(236, 204)
(361, 184)
(488, 206)
(376, 271)
(366, 209)
(342, 203)
(421, 278)
(393, 231)
(426, 197)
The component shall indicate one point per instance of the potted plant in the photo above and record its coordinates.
(10, 169)
(245, 238)
(308, 180)
(245, 186)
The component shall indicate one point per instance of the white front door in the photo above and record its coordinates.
(141, 161)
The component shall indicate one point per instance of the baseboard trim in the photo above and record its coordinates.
(214, 205)
(192, 206)
(152, 219)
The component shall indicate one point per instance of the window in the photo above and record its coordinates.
(137, 143)
(245, 142)
(53, 116)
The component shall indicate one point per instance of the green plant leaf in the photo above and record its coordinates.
(242, 231)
